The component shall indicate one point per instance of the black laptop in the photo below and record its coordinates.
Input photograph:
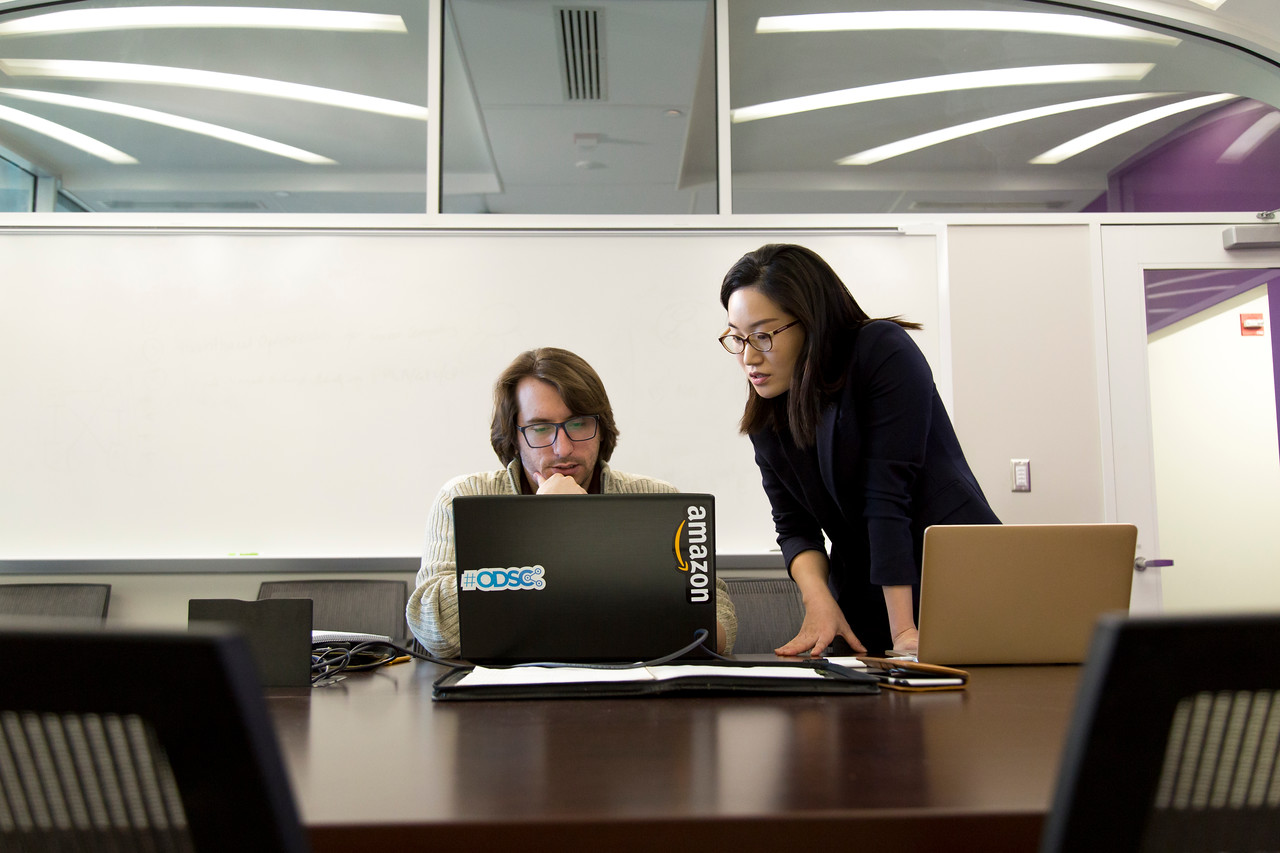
(579, 578)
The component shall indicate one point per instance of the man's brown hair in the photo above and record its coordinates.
(578, 384)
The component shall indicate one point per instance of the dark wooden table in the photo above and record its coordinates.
(376, 765)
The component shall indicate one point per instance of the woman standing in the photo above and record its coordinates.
(852, 441)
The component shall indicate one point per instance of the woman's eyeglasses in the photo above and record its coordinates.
(761, 341)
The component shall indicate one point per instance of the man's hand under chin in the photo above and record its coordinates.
(558, 484)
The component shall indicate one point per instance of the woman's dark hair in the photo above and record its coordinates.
(802, 284)
(578, 384)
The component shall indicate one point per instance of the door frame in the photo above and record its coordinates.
(1124, 253)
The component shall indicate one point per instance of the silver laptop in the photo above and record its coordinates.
(584, 577)
(1020, 593)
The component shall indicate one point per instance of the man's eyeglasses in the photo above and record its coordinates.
(581, 428)
(762, 341)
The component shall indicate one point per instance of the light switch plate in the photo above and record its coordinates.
(1021, 474)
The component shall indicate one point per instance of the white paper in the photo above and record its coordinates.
(851, 663)
(527, 675)
(486, 677)
(664, 673)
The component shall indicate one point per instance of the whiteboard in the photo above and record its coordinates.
(305, 394)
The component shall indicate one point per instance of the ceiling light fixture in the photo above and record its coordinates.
(1186, 291)
(66, 135)
(1093, 138)
(1044, 23)
(124, 72)
(225, 134)
(969, 128)
(1253, 136)
(1032, 76)
(193, 17)
(1153, 289)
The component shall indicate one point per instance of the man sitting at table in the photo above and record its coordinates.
(554, 431)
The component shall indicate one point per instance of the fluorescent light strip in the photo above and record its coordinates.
(192, 17)
(1190, 275)
(959, 20)
(1085, 141)
(66, 135)
(949, 134)
(124, 72)
(1038, 75)
(1186, 291)
(1253, 136)
(225, 134)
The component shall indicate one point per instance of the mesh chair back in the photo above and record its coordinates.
(769, 613)
(138, 741)
(64, 600)
(1175, 741)
(364, 606)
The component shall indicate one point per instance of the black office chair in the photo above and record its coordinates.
(1175, 741)
(88, 600)
(769, 613)
(363, 606)
(138, 740)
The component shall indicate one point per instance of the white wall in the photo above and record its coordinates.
(214, 393)
(1021, 371)
(1024, 367)
(1217, 460)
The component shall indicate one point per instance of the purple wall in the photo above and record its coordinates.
(1184, 172)
(1172, 295)
(1273, 306)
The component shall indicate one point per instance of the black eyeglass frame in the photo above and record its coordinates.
(561, 425)
(753, 339)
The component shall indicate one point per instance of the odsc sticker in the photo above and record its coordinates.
(498, 580)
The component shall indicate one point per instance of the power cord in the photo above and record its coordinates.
(330, 660)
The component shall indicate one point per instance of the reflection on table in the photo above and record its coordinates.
(376, 763)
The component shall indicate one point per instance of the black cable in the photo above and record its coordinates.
(331, 659)
(699, 639)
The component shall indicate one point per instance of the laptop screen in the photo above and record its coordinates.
(580, 578)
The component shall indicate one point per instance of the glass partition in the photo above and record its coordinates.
(173, 106)
(606, 107)
(17, 188)
(610, 107)
(63, 203)
(858, 106)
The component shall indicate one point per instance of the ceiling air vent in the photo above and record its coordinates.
(582, 53)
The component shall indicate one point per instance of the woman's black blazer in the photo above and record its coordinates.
(886, 465)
